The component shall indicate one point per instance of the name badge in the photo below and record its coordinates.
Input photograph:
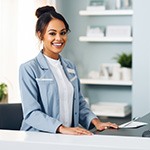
(71, 70)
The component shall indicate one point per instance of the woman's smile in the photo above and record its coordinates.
(57, 45)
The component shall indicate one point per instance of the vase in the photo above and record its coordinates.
(126, 74)
(4, 100)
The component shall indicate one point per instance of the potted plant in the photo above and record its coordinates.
(125, 60)
(3, 93)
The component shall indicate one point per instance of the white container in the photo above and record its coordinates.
(110, 71)
(111, 109)
(95, 8)
(118, 31)
(126, 74)
(116, 72)
(118, 4)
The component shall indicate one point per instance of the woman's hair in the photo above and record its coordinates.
(45, 14)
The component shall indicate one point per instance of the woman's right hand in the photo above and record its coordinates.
(73, 130)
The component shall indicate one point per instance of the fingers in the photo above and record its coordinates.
(113, 125)
(107, 125)
(74, 131)
(110, 125)
(81, 131)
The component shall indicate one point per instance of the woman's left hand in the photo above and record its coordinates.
(103, 125)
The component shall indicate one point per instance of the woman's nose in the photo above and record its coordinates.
(58, 37)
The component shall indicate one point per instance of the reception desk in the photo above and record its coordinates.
(111, 139)
(21, 140)
(135, 132)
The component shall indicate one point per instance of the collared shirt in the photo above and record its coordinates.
(65, 89)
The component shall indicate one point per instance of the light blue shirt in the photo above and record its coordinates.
(40, 98)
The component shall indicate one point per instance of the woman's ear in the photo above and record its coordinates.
(39, 35)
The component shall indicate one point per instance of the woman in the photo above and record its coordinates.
(49, 84)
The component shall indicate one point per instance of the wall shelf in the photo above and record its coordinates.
(105, 82)
(106, 12)
(105, 39)
(105, 18)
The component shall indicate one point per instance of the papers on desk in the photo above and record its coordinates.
(132, 124)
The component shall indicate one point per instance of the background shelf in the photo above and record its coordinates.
(105, 82)
(105, 39)
(106, 12)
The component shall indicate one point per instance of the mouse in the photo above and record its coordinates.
(146, 133)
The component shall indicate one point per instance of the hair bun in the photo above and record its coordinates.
(44, 9)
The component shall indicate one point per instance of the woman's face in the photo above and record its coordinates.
(54, 39)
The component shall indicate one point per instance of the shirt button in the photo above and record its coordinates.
(75, 113)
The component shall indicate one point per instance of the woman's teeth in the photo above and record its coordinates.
(57, 44)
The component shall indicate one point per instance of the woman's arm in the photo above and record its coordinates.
(33, 109)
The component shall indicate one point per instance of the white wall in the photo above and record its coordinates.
(141, 58)
(8, 45)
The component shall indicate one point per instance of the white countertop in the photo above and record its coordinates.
(21, 140)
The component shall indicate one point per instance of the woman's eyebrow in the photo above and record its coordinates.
(63, 29)
(56, 30)
(51, 30)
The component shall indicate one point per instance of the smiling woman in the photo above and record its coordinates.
(49, 84)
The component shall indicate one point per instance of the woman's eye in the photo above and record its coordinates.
(63, 33)
(52, 33)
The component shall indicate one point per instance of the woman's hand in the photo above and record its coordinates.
(73, 130)
(103, 125)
